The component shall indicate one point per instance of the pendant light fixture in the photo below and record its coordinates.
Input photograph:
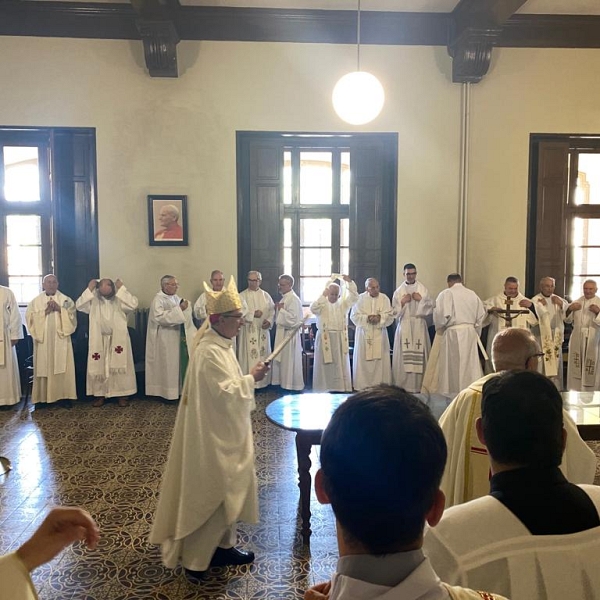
(358, 97)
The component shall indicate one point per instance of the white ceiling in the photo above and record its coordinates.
(565, 7)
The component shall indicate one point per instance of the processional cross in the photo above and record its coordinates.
(509, 314)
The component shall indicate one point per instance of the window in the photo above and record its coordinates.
(47, 209)
(26, 212)
(564, 212)
(315, 204)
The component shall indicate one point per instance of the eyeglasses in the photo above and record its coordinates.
(253, 280)
(537, 355)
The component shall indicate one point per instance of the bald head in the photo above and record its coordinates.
(514, 349)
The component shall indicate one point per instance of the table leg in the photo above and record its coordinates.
(303, 446)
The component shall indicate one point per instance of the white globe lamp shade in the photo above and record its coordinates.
(358, 97)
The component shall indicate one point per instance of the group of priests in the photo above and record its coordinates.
(446, 367)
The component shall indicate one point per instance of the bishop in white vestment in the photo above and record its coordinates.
(494, 307)
(583, 374)
(168, 315)
(51, 318)
(413, 308)
(550, 329)
(110, 369)
(11, 331)
(454, 360)
(254, 339)
(372, 315)
(331, 372)
(210, 482)
(287, 366)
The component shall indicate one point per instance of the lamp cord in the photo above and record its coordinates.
(358, 38)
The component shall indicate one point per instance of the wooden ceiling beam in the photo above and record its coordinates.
(475, 27)
(156, 23)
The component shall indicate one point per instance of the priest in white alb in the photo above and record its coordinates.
(209, 482)
(110, 368)
(467, 471)
(550, 329)
(496, 307)
(412, 307)
(454, 360)
(372, 315)
(583, 374)
(51, 319)
(331, 371)
(254, 339)
(287, 365)
(11, 331)
(170, 334)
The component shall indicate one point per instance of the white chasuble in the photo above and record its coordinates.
(582, 370)
(287, 367)
(411, 341)
(53, 364)
(11, 328)
(496, 323)
(550, 333)
(332, 359)
(110, 368)
(209, 481)
(371, 359)
(254, 339)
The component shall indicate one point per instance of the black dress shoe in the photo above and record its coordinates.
(231, 556)
(194, 574)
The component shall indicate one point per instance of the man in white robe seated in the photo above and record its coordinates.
(331, 372)
(11, 331)
(372, 315)
(287, 366)
(382, 457)
(169, 324)
(210, 482)
(497, 305)
(536, 535)
(110, 369)
(467, 471)
(254, 340)
(583, 374)
(454, 360)
(412, 307)
(62, 527)
(550, 329)
(51, 319)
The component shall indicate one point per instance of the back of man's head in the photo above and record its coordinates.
(522, 420)
(454, 278)
(382, 459)
(513, 349)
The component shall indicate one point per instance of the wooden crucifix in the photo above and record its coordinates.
(509, 314)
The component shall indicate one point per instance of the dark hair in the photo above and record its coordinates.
(382, 457)
(511, 280)
(454, 278)
(522, 418)
(409, 266)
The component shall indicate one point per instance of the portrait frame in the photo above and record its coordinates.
(169, 228)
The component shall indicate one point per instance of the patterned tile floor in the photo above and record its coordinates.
(109, 460)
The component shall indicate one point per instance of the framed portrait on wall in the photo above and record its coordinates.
(167, 221)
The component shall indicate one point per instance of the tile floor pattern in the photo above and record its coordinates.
(109, 460)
